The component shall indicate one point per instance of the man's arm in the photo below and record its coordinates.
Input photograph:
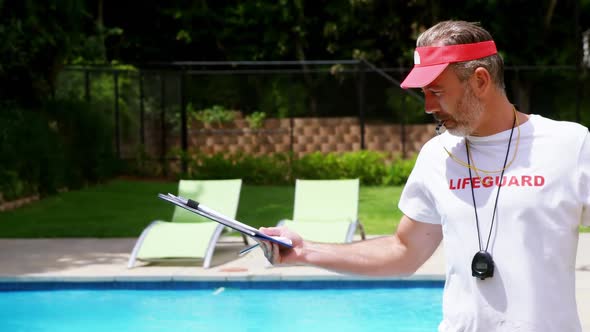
(399, 254)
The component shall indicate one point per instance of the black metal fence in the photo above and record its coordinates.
(151, 103)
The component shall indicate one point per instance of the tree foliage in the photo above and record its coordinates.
(39, 37)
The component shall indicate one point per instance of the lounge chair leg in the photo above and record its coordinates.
(139, 242)
(211, 247)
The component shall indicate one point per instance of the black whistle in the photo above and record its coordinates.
(482, 265)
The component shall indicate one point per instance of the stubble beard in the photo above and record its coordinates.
(469, 111)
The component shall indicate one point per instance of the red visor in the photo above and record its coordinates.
(430, 61)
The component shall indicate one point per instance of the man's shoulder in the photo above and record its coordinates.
(557, 126)
(557, 134)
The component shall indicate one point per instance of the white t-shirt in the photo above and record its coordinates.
(545, 196)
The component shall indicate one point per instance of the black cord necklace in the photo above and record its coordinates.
(482, 265)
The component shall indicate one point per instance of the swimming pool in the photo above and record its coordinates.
(221, 306)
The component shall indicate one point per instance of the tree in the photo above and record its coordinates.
(36, 38)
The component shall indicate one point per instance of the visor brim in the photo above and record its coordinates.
(420, 77)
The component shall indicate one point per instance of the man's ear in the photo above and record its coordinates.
(481, 82)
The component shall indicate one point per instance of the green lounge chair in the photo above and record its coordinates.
(189, 236)
(326, 210)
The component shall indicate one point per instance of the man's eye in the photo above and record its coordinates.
(436, 93)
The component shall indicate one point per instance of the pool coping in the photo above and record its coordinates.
(247, 278)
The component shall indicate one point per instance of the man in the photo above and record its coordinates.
(503, 190)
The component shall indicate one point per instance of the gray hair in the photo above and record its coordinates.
(462, 32)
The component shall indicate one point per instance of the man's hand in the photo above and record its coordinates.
(277, 254)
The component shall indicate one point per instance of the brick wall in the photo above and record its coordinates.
(309, 135)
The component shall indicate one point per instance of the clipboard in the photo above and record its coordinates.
(202, 210)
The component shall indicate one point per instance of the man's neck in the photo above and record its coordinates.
(498, 117)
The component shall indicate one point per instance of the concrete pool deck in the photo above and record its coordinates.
(106, 260)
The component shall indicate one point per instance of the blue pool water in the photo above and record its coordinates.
(286, 307)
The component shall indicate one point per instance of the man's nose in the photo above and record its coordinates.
(431, 105)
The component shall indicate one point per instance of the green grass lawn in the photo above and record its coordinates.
(123, 208)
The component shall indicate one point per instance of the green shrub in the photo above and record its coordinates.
(256, 120)
(216, 166)
(371, 167)
(399, 171)
(64, 144)
(12, 186)
(263, 170)
(215, 114)
(317, 165)
(368, 166)
(87, 137)
(31, 155)
(271, 169)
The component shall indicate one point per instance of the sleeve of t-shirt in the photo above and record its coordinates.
(416, 200)
(584, 180)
